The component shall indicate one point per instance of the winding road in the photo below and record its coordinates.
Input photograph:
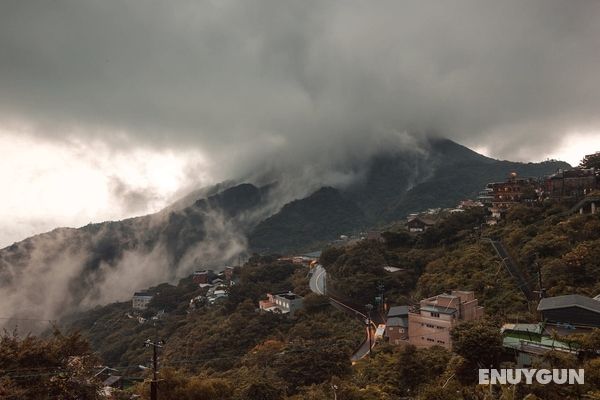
(317, 280)
(318, 285)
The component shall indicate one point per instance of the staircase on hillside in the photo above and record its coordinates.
(513, 269)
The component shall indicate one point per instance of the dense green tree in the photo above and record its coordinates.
(591, 161)
(60, 367)
(261, 389)
(303, 364)
(479, 342)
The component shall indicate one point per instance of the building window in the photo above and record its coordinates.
(441, 341)
(435, 314)
(430, 340)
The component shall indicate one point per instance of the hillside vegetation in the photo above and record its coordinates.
(230, 351)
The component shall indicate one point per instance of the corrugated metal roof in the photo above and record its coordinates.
(571, 300)
(396, 321)
(397, 311)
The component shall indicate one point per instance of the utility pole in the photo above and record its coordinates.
(369, 307)
(154, 384)
(381, 289)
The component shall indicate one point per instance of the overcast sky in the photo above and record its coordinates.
(110, 109)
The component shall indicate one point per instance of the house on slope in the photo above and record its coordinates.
(574, 309)
(419, 224)
(141, 300)
(282, 303)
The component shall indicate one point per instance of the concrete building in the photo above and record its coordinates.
(141, 300)
(430, 323)
(284, 303)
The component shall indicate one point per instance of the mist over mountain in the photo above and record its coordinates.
(393, 185)
(51, 274)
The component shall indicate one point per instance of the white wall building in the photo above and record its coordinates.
(141, 300)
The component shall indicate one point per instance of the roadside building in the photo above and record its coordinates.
(396, 326)
(141, 300)
(573, 310)
(283, 303)
(431, 321)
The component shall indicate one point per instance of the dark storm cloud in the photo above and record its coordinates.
(294, 81)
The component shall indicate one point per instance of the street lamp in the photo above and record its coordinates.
(369, 308)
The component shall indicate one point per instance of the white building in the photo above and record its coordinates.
(141, 300)
(284, 303)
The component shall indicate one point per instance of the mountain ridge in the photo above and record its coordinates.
(103, 262)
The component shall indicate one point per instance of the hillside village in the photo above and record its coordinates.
(392, 290)
(431, 322)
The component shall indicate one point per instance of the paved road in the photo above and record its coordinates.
(318, 285)
(317, 280)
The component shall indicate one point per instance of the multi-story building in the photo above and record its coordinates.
(431, 321)
(572, 184)
(284, 303)
(141, 300)
(513, 191)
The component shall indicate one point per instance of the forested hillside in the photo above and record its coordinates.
(232, 351)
